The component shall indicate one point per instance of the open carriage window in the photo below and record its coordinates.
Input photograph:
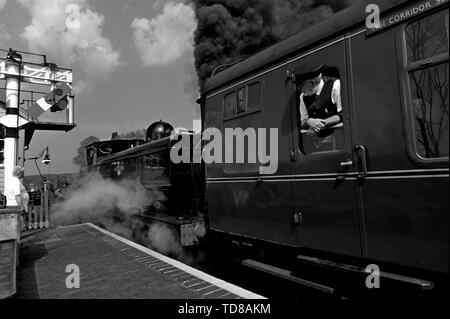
(319, 105)
(427, 43)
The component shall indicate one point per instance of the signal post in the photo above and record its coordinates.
(15, 71)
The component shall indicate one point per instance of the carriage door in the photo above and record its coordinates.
(402, 119)
(322, 167)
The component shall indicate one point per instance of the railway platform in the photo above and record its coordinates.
(109, 266)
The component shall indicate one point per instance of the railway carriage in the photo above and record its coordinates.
(377, 188)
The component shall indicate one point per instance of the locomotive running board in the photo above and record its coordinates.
(285, 274)
(423, 284)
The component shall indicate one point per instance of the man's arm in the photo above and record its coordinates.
(332, 120)
(303, 114)
(336, 95)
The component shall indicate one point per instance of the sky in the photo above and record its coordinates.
(132, 64)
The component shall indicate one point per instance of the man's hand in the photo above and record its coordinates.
(316, 124)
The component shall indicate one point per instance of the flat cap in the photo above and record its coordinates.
(303, 73)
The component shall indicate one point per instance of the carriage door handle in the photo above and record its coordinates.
(347, 163)
(362, 153)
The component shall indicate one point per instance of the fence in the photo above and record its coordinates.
(38, 210)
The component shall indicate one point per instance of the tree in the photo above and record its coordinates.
(80, 159)
(138, 134)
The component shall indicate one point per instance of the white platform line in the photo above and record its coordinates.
(195, 272)
(211, 292)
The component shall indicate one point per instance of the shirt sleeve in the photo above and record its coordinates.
(303, 111)
(336, 95)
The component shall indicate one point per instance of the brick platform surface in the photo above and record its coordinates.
(7, 266)
(109, 268)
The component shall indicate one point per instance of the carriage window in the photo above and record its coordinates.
(319, 110)
(241, 100)
(427, 37)
(254, 95)
(229, 105)
(427, 42)
(244, 99)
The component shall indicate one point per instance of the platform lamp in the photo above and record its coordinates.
(44, 195)
(46, 160)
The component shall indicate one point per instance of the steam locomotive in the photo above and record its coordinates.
(176, 190)
(373, 192)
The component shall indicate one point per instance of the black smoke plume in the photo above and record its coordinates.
(228, 30)
(335, 5)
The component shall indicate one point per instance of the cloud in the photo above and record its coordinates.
(75, 40)
(4, 35)
(157, 4)
(165, 38)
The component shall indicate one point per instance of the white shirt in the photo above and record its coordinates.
(335, 98)
(17, 189)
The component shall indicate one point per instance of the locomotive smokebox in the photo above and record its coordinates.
(158, 130)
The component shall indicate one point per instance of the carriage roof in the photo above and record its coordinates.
(351, 17)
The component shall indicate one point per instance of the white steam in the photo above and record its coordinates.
(164, 239)
(113, 205)
(165, 38)
(98, 196)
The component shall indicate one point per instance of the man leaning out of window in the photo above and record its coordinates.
(320, 100)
